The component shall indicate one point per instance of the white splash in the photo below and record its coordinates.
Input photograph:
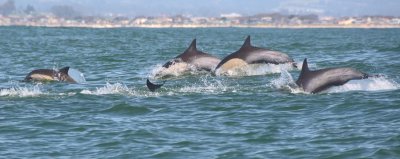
(286, 82)
(206, 85)
(255, 69)
(76, 75)
(21, 91)
(116, 88)
(370, 84)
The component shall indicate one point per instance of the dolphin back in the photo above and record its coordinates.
(41, 75)
(251, 55)
(49, 75)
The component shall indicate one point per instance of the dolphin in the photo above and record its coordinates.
(319, 80)
(152, 87)
(50, 75)
(194, 57)
(249, 54)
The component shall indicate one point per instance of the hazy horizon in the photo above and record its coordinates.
(218, 7)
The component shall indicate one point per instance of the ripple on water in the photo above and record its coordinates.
(126, 109)
(195, 115)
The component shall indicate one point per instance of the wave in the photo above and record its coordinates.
(370, 84)
(286, 82)
(206, 85)
(22, 91)
(126, 109)
(116, 88)
(390, 49)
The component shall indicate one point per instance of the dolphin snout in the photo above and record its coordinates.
(294, 64)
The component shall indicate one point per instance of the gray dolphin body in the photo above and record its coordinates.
(319, 80)
(192, 56)
(50, 75)
(249, 54)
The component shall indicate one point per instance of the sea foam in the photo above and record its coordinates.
(22, 91)
(206, 85)
(370, 84)
(116, 88)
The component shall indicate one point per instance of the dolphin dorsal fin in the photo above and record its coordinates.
(246, 42)
(192, 46)
(305, 66)
(64, 70)
(304, 71)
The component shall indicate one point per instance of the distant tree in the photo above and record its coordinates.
(64, 11)
(7, 8)
(29, 9)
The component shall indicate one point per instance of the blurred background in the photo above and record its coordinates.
(206, 8)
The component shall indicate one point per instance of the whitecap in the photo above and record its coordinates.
(286, 82)
(206, 85)
(116, 88)
(22, 91)
(76, 75)
(370, 84)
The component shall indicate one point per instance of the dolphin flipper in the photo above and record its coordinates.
(151, 86)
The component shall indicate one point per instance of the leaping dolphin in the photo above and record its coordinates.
(319, 80)
(50, 75)
(194, 57)
(249, 54)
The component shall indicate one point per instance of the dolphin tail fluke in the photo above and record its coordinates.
(151, 86)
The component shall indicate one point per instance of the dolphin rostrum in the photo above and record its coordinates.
(192, 56)
(50, 75)
(319, 80)
(249, 54)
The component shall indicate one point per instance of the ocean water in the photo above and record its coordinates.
(255, 114)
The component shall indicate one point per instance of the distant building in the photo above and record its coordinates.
(231, 15)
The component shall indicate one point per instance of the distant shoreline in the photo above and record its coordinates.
(218, 26)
